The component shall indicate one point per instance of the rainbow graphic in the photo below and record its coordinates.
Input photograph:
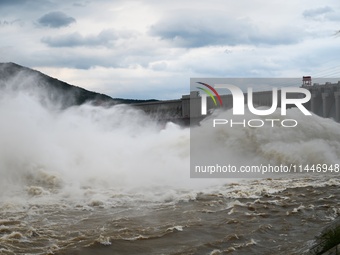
(210, 94)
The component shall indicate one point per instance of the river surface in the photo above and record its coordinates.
(280, 216)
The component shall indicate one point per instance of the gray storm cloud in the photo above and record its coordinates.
(193, 30)
(105, 38)
(56, 20)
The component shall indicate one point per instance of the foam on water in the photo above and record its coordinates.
(72, 153)
(314, 140)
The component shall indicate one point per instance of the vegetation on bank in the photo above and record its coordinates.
(328, 239)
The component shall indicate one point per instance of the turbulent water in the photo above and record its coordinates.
(94, 180)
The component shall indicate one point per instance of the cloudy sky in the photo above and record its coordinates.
(150, 49)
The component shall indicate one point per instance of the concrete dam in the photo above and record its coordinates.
(325, 102)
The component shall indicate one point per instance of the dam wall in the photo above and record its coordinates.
(325, 102)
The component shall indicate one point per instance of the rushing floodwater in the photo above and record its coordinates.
(90, 180)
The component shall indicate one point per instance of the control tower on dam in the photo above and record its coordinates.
(325, 102)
